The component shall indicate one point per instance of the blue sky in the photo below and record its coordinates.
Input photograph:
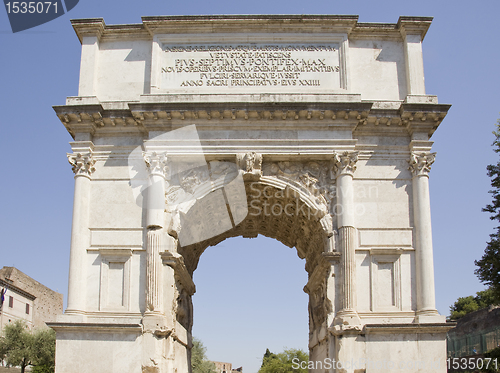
(249, 295)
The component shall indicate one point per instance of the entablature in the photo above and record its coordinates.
(142, 117)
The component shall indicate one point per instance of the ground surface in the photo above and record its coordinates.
(9, 370)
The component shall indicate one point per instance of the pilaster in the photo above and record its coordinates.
(413, 31)
(89, 32)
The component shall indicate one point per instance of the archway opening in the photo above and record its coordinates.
(285, 213)
(250, 297)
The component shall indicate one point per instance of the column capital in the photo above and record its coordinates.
(344, 163)
(82, 163)
(156, 163)
(420, 163)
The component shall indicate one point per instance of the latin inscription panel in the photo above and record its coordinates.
(250, 68)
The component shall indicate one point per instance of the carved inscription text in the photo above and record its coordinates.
(275, 68)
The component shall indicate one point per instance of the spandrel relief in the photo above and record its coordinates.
(311, 177)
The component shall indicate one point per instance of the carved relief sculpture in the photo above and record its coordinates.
(250, 162)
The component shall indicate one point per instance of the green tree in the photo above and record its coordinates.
(44, 351)
(22, 348)
(462, 307)
(267, 355)
(17, 343)
(465, 305)
(199, 360)
(288, 361)
(3, 350)
(488, 267)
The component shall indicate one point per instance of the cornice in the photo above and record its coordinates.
(269, 111)
(250, 24)
(408, 328)
(135, 31)
(95, 327)
(255, 17)
(142, 117)
(80, 118)
(88, 27)
(414, 25)
(405, 25)
(375, 30)
(192, 24)
(423, 117)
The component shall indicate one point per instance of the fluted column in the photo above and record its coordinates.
(83, 167)
(155, 220)
(347, 238)
(153, 271)
(343, 168)
(420, 165)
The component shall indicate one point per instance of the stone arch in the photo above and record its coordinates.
(294, 213)
(310, 135)
(282, 214)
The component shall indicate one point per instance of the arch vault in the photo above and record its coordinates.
(312, 130)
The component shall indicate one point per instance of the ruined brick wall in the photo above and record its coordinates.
(479, 321)
(47, 304)
(475, 333)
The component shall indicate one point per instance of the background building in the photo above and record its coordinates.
(26, 299)
(223, 367)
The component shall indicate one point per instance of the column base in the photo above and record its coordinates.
(68, 317)
(74, 312)
(155, 335)
(156, 323)
(346, 321)
(429, 316)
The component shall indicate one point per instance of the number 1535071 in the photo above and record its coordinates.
(31, 7)
(471, 363)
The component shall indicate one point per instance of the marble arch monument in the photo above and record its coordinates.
(313, 130)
